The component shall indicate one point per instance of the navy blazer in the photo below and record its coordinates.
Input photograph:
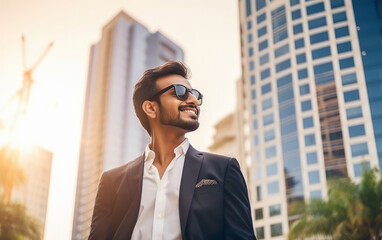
(217, 211)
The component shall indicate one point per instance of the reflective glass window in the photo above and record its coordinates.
(276, 230)
(310, 140)
(261, 18)
(307, 122)
(258, 173)
(336, 3)
(304, 89)
(359, 149)
(321, 52)
(256, 138)
(253, 79)
(319, 37)
(253, 94)
(271, 169)
(317, 22)
(263, 45)
(283, 65)
(270, 152)
(303, 73)
(349, 78)
(264, 59)
(285, 95)
(282, 81)
(268, 119)
(254, 109)
(359, 168)
(323, 73)
(250, 51)
(290, 145)
(249, 25)
(265, 74)
(339, 17)
(351, 95)
(273, 187)
(288, 128)
(259, 213)
(260, 4)
(259, 193)
(275, 210)
(341, 32)
(269, 135)
(281, 50)
(287, 111)
(294, 2)
(267, 103)
(250, 38)
(260, 233)
(357, 130)
(311, 158)
(266, 88)
(314, 177)
(299, 43)
(280, 35)
(354, 112)
(248, 7)
(306, 105)
(251, 65)
(301, 58)
(316, 194)
(296, 14)
(315, 8)
(344, 47)
(297, 28)
(262, 31)
(346, 63)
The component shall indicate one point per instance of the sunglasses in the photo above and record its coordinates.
(181, 93)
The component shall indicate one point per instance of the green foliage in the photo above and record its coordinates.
(350, 212)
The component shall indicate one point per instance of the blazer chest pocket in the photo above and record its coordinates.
(207, 189)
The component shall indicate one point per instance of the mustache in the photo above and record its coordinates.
(189, 106)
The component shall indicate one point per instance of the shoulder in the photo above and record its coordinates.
(119, 172)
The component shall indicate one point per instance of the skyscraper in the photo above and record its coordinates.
(313, 74)
(111, 134)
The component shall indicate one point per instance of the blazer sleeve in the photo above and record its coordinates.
(103, 208)
(237, 210)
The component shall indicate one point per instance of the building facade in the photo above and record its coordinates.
(111, 133)
(313, 76)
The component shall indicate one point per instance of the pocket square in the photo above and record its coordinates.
(206, 182)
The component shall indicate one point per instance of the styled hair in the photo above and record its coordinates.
(146, 86)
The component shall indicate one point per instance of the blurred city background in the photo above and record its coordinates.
(293, 90)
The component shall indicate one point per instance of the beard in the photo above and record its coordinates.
(176, 120)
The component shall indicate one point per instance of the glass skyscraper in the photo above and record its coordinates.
(313, 74)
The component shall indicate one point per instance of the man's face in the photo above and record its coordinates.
(174, 111)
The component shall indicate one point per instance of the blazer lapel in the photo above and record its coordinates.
(192, 163)
(129, 198)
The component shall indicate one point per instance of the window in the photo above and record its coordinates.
(314, 177)
(276, 230)
(316, 194)
(283, 65)
(294, 2)
(265, 74)
(346, 63)
(262, 31)
(273, 187)
(281, 50)
(303, 73)
(257, 156)
(351, 95)
(271, 169)
(319, 37)
(354, 112)
(311, 158)
(261, 18)
(315, 8)
(269, 135)
(359, 168)
(280, 35)
(260, 4)
(310, 140)
(267, 103)
(321, 52)
(251, 65)
(250, 38)
(304, 89)
(259, 214)
(268, 119)
(296, 14)
(259, 195)
(323, 73)
(253, 93)
(357, 130)
(264, 59)
(316, 23)
(337, 3)
(306, 105)
(270, 152)
(258, 173)
(254, 109)
(341, 32)
(299, 43)
(301, 58)
(250, 51)
(256, 138)
(260, 233)
(339, 17)
(253, 79)
(307, 122)
(285, 95)
(287, 111)
(282, 81)
(248, 7)
(288, 128)
(266, 88)
(263, 45)
(349, 78)
(297, 28)
(344, 47)
(274, 210)
(359, 149)
(249, 25)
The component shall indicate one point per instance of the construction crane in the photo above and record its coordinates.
(10, 173)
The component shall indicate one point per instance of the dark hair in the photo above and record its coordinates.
(146, 86)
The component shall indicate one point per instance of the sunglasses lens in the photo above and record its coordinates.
(181, 92)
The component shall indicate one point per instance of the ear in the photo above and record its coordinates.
(150, 108)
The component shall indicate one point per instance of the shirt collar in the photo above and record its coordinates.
(179, 150)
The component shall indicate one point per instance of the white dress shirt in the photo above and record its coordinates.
(158, 217)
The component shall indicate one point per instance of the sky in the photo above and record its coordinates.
(207, 30)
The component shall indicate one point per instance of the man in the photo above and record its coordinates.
(171, 191)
